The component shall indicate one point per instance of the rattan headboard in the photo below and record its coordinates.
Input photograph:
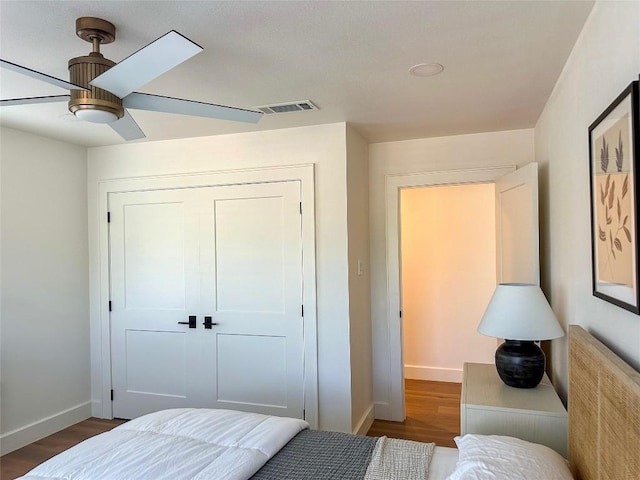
(604, 411)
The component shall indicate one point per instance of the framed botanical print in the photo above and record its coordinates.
(614, 150)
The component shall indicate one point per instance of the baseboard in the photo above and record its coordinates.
(20, 437)
(363, 426)
(419, 372)
(382, 411)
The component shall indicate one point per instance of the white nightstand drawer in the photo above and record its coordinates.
(489, 407)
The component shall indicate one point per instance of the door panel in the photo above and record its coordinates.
(251, 235)
(250, 278)
(154, 256)
(517, 236)
(233, 253)
(154, 285)
(168, 353)
(266, 367)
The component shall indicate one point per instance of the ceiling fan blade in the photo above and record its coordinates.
(149, 62)
(127, 128)
(32, 100)
(39, 76)
(157, 103)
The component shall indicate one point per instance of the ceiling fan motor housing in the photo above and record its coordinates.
(81, 71)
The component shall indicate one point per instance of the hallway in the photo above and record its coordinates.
(433, 414)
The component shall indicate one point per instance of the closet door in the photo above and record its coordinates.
(251, 260)
(232, 257)
(155, 287)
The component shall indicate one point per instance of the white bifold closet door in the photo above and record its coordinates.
(232, 254)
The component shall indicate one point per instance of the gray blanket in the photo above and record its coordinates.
(317, 455)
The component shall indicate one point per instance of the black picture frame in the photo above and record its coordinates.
(614, 158)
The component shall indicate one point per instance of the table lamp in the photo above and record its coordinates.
(520, 313)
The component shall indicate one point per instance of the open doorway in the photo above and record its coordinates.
(448, 274)
(516, 207)
(448, 265)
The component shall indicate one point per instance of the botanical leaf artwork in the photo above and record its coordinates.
(619, 155)
(604, 155)
(613, 207)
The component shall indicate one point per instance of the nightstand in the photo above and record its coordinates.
(489, 407)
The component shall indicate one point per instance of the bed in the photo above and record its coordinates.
(604, 434)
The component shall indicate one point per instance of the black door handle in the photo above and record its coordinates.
(191, 322)
(208, 323)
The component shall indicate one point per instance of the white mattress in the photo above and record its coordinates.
(443, 463)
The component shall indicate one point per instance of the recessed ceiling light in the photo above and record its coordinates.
(426, 69)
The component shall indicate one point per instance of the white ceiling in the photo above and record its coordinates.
(351, 59)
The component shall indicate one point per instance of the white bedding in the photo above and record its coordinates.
(443, 463)
(190, 443)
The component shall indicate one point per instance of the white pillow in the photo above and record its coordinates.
(494, 457)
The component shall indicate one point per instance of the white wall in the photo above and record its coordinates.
(359, 287)
(323, 146)
(45, 292)
(448, 245)
(412, 156)
(605, 59)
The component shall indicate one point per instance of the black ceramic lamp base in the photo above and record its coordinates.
(520, 363)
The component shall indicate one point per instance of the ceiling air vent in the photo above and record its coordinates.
(287, 107)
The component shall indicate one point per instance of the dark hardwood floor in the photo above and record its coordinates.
(433, 415)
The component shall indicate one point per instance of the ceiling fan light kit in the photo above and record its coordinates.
(100, 89)
(94, 104)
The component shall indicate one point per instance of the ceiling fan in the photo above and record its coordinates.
(102, 90)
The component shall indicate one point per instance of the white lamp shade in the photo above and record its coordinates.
(519, 311)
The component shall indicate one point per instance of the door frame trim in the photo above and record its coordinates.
(393, 184)
(100, 291)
